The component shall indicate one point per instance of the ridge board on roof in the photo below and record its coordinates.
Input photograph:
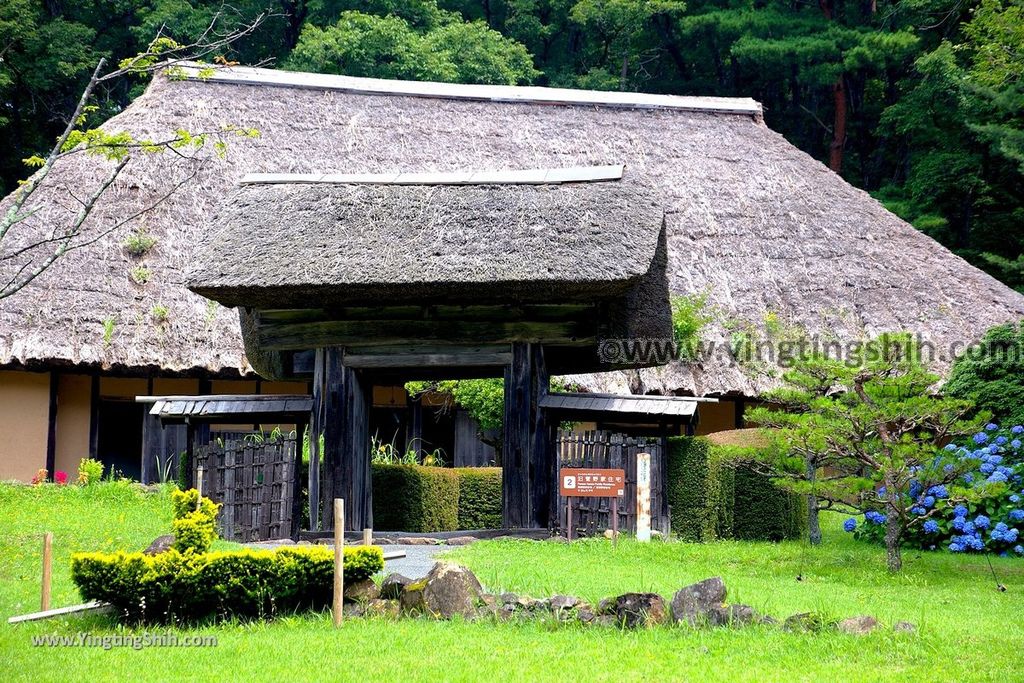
(459, 91)
(534, 176)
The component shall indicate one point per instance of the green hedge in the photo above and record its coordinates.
(415, 498)
(716, 494)
(185, 587)
(479, 497)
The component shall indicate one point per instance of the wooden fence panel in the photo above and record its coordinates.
(604, 449)
(254, 482)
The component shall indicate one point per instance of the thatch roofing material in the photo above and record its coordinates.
(753, 222)
(309, 245)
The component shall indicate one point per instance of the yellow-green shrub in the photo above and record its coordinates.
(194, 526)
(479, 497)
(90, 471)
(184, 587)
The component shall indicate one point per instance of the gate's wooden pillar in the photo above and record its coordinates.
(341, 414)
(527, 458)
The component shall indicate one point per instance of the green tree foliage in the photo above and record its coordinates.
(877, 429)
(360, 44)
(992, 374)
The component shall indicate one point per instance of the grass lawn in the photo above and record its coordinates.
(967, 630)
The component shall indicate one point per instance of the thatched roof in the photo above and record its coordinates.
(309, 244)
(751, 221)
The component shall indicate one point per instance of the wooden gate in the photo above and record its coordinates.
(604, 449)
(256, 484)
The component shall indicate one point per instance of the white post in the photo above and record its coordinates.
(643, 497)
(339, 559)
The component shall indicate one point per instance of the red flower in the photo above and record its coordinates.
(61, 477)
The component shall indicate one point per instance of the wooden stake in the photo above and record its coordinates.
(615, 521)
(199, 486)
(568, 518)
(339, 558)
(643, 497)
(47, 570)
(367, 536)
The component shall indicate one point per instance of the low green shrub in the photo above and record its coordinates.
(415, 498)
(479, 497)
(90, 471)
(187, 587)
(195, 523)
(715, 493)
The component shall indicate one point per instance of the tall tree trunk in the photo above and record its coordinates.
(835, 154)
(893, 558)
(813, 522)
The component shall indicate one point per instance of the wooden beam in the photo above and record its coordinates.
(94, 415)
(274, 336)
(62, 611)
(491, 313)
(515, 456)
(372, 361)
(51, 426)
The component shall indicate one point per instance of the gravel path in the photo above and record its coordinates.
(418, 560)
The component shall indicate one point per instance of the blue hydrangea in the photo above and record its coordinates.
(1014, 498)
(1015, 443)
(996, 478)
(991, 427)
(939, 491)
(976, 544)
(987, 468)
(980, 437)
(1017, 515)
(997, 535)
(929, 501)
(995, 459)
(931, 527)
(948, 468)
(959, 523)
(850, 524)
(968, 527)
(1017, 429)
(951, 447)
(960, 510)
(1001, 527)
(958, 548)
(1011, 535)
(968, 478)
(981, 521)
(917, 510)
(1001, 440)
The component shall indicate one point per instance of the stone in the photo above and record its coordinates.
(353, 610)
(904, 627)
(461, 540)
(417, 540)
(563, 602)
(508, 598)
(585, 614)
(859, 626)
(605, 620)
(634, 610)
(610, 534)
(361, 591)
(527, 603)
(392, 587)
(732, 615)
(692, 604)
(807, 622)
(161, 544)
(377, 607)
(448, 590)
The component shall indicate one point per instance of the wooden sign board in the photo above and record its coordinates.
(592, 483)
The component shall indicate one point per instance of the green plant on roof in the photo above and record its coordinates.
(139, 242)
(689, 317)
(159, 313)
(108, 331)
(211, 312)
(140, 274)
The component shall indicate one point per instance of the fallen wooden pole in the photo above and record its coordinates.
(61, 611)
(44, 602)
(339, 558)
(394, 555)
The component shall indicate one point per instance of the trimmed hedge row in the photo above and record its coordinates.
(185, 587)
(479, 497)
(423, 499)
(715, 493)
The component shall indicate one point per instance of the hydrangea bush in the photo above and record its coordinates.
(983, 511)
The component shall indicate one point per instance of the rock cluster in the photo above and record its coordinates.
(450, 590)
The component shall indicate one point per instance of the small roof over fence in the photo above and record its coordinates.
(673, 409)
(241, 409)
